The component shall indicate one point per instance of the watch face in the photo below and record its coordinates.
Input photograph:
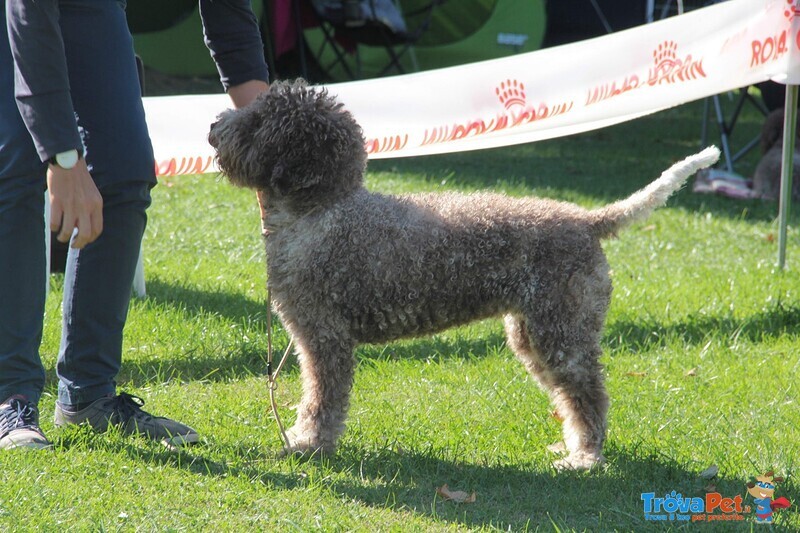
(67, 159)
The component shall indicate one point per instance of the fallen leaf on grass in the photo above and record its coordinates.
(458, 496)
(692, 372)
(651, 227)
(636, 374)
(710, 472)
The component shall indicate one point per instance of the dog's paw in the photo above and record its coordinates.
(305, 444)
(559, 448)
(579, 461)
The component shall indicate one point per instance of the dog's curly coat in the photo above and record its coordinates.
(767, 175)
(347, 266)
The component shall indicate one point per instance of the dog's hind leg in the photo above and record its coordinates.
(326, 371)
(558, 341)
(579, 395)
(520, 344)
(576, 388)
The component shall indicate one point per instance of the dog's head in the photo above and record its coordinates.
(772, 131)
(293, 142)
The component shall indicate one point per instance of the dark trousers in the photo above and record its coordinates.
(97, 284)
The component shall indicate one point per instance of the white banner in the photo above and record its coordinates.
(539, 95)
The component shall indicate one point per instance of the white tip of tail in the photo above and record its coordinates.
(640, 204)
(708, 157)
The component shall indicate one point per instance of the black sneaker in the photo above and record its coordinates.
(19, 426)
(126, 412)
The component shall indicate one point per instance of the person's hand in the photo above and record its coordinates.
(75, 202)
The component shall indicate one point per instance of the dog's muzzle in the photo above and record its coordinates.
(212, 139)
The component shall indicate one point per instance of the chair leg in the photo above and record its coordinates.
(394, 61)
(726, 125)
(330, 40)
(297, 15)
(704, 126)
(723, 133)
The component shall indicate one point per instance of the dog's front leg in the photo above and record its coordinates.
(326, 371)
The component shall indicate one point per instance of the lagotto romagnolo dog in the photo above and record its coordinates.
(347, 266)
(767, 175)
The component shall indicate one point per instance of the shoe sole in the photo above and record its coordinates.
(179, 442)
(25, 445)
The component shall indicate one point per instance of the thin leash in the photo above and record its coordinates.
(272, 377)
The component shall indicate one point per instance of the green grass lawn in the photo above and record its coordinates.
(701, 353)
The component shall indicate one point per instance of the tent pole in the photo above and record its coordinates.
(789, 133)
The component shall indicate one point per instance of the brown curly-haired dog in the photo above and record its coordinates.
(767, 175)
(347, 266)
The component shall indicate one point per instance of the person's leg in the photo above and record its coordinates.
(22, 267)
(98, 278)
(97, 283)
(22, 248)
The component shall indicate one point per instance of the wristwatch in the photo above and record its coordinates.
(65, 160)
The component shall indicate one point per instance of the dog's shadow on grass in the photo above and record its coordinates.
(514, 498)
(507, 497)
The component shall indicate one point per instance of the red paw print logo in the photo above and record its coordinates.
(666, 54)
(511, 93)
(792, 9)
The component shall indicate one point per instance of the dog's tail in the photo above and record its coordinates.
(608, 220)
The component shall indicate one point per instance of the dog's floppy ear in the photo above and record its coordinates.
(315, 142)
(293, 173)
